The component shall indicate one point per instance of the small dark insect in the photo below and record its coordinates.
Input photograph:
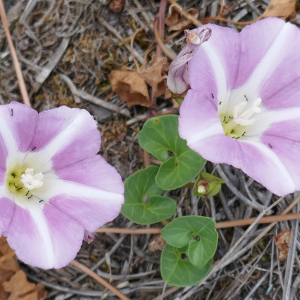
(19, 188)
(41, 201)
(220, 103)
(232, 131)
(243, 133)
(246, 97)
(11, 112)
(270, 146)
(30, 196)
(33, 148)
(13, 175)
(212, 95)
(27, 193)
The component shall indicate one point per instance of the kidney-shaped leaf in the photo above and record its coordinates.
(179, 271)
(156, 208)
(159, 136)
(199, 233)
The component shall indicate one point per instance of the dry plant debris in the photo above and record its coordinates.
(282, 242)
(130, 86)
(95, 50)
(155, 76)
(13, 282)
(281, 8)
(176, 21)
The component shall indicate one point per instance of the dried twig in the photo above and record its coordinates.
(228, 224)
(53, 61)
(99, 279)
(91, 98)
(14, 56)
(247, 201)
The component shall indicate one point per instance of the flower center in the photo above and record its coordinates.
(21, 182)
(235, 123)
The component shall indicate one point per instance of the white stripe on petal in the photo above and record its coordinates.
(8, 138)
(42, 226)
(65, 136)
(277, 162)
(54, 187)
(265, 119)
(215, 129)
(3, 191)
(267, 65)
(219, 72)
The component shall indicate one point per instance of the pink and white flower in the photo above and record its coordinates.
(53, 186)
(243, 107)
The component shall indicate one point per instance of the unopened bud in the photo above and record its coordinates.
(207, 185)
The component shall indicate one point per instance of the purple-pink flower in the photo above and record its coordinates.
(53, 186)
(243, 107)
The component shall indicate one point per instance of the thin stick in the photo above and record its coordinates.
(160, 42)
(99, 279)
(228, 224)
(14, 56)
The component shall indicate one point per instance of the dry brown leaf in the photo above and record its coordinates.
(130, 86)
(280, 8)
(176, 21)
(13, 281)
(282, 242)
(155, 75)
(157, 244)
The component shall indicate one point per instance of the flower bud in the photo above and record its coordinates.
(207, 185)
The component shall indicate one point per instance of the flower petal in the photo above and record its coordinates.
(266, 167)
(255, 41)
(95, 172)
(91, 214)
(7, 208)
(284, 139)
(48, 239)
(216, 62)
(198, 117)
(271, 70)
(66, 234)
(287, 97)
(17, 127)
(66, 135)
(101, 205)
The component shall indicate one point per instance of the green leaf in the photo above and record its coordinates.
(156, 208)
(179, 271)
(199, 233)
(159, 136)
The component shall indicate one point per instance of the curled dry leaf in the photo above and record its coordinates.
(130, 86)
(176, 21)
(156, 244)
(280, 8)
(13, 281)
(155, 76)
(282, 242)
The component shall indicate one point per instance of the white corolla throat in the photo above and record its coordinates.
(236, 121)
